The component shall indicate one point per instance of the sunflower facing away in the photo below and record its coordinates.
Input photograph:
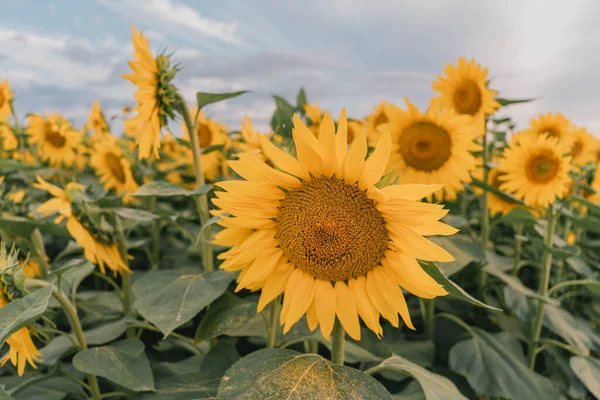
(317, 230)
(553, 125)
(535, 170)
(249, 143)
(584, 147)
(378, 117)
(5, 99)
(113, 168)
(431, 147)
(155, 95)
(463, 89)
(96, 120)
(54, 137)
(97, 247)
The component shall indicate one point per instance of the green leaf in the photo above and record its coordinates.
(17, 166)
(581, 267)
(167, 189)
(123, 362)
(499, 193)
(135, 214)
(25, 226)
(587, 370)
(353, 352)
(434, 386)
(453, 289)
(72, 277)
(592, 207)
(226, 314)
(301, 99)
(48, 388)
(517, 216)
(281, 374)
(463, 249)
(494, 365)
(4, 395)
(516, 284)
(282, 118)
(412, 391)
(19, 313)
(507, 102)
(169, 299)
(205, 99)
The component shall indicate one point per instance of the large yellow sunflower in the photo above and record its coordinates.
(54, 137)
(431, 147)
(5, 99)
(464, 91)
(319, 231)
(553, 125)
(536, 170)
(113, 168)
(96, 248)
(585, 146)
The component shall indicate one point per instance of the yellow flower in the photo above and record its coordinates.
(31, 269)
(319, 231)
(315, 115)
(17, 197)
(584, 147)
(378, 117)
(463, 90)
(114, 169)
(248, 143)
(5, 99)
(155, 95)
(355, 128)
(431, 147)
(553, 125)
(96, 121)
(210, 133)
(96, 248)
(55, 138)
(8, 140)
(535, 170)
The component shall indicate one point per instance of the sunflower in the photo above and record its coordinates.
(355, 127)
(584, 147)
(553, 125)
(155, 96)
(535, 170)
(210, 133)
(496, 204)
(17, 196)
(248, 143)
(114, 169)
(378, 117)
(8, 140)
(55, 138)
(431, 147)
(318, 230)
(96, 121)
(464, 91)
(22, 350)
(97, 248)
(5, 100)
(315, 115)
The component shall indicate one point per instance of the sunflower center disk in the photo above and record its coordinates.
(113, 162)
(425, 146)
(55, 138)
(331, 230)
(204, 135)
(542, 168)
(467, 98)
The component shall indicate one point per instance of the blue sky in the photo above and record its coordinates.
(63, 54)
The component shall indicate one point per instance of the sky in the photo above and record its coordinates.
(61, 55)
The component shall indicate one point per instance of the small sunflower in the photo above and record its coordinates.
(553, 125)
(431, 147)
(8, 140)
(155, 97)
(584, 147)
(22, 349)
(54, 137)
(248, 143)
(535, 170)
(97, 247)
(96, 120)
(113, 168)
(17, 196)
(315, 115)
(378, 117)
(6, 97)
(317, 230)
(463, 89)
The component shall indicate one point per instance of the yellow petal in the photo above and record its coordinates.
(325, 306)
(380, 302)
(413, 191)
(418, 246)
(301, 299)
(274, 285)
(354, 164)
(327, 148)
(283, 160)
(391, 291)
(260, 268)
(345, 309)
(365, 307)
(251, 169)
(377, 162)
(341, 142)
(308, 156)
(411, 276)
(311, 316)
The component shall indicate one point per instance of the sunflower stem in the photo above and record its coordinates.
(337, 343)
(272, 323)
(485, 216)
(155, 237)
(125, 278)
(543, 288)
(430, 318)
(201, 201)
(38, 247)
(518, 247)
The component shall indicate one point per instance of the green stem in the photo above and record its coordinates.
(125, 278)
(337, 343)
(430, 318)
(155, 238)
(201, 201)
(574, 282)
(37, 245)
(543, 288)
(272, 323)
(518, 247)
(485, 215)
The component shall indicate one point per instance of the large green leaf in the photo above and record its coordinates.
(135, 214)
(507, 102)
(226, 314)
(124, 363)
(205, 99)
(169, 299)
(4, 395)
(25, 226)
(47, 388)
(516, 284)
(453, 289)
(434, 386)
(494, 365)
(18, 313)
(588, 371)
(462, 248)
(77, 271)
(412, 391)
(166, 189)
(286, 374)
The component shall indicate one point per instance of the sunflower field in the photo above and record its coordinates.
(409, 254)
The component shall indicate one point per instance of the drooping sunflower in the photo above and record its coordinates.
(536, 170)
(54, 137)
(317, 230)
(210, 132)
(378, 117)
(113, 168)
(97, 247)
(463, 90)
(8, 140)
(155, 96)
(431, 147)
(584, 147)
(553, 125)
(6, 97)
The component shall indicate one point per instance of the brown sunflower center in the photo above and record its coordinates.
(467, 98)
(331, 230)
(381, 119)
(113, 163)
(543, 167)
(425, 146)
(577, 149)
(204, 135)
(55, 138)
(551, 132)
